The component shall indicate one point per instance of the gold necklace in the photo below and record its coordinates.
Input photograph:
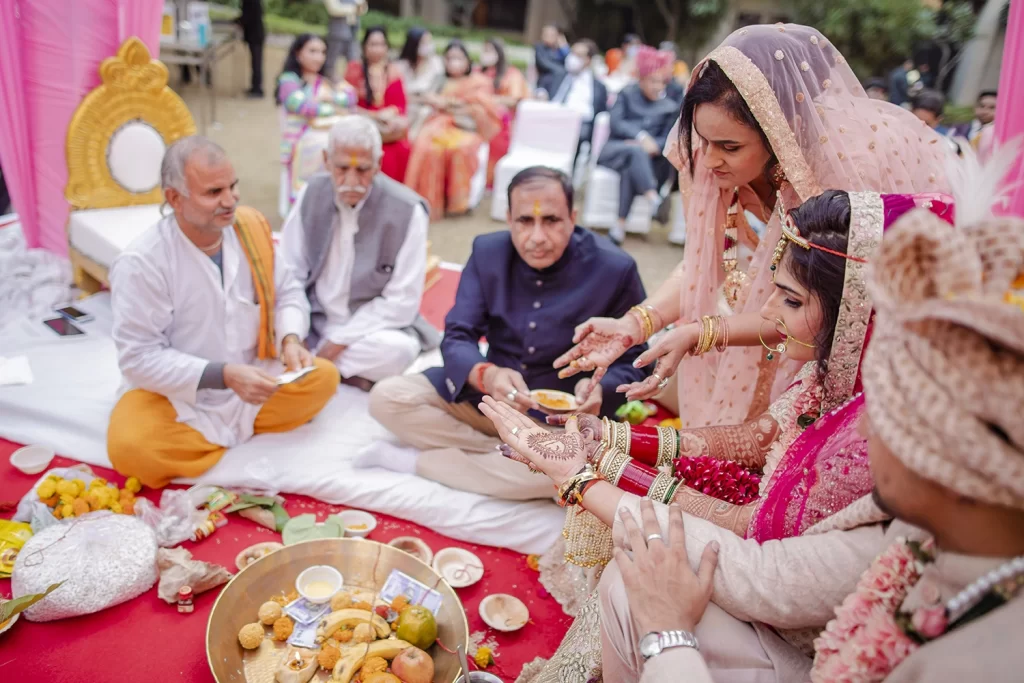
(736, 280)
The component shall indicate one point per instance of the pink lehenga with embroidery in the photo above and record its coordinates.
(814, 477)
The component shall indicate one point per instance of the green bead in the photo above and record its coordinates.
(771, 268)
(770, 355)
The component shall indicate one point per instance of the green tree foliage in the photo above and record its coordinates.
(873, 35)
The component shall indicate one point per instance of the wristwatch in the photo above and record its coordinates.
(655, 643)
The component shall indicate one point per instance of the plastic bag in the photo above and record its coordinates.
(102, 558)
(176, 518)
(35, 511)
(13, 536)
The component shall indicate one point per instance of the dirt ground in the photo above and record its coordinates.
(248, 130)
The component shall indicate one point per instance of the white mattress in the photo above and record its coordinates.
(76, 380)
(102, 234)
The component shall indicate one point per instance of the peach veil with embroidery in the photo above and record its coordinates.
(826, 134)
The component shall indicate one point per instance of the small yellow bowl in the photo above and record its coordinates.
(554, 401)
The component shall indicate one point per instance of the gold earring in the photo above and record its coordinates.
(778, 175)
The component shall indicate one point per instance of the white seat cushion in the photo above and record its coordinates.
(102, 234)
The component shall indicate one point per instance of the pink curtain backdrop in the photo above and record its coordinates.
(50, 52)
(1010, 112)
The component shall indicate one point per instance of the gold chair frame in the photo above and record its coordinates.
(133, 88)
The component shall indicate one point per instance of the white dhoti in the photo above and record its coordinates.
(379, 355)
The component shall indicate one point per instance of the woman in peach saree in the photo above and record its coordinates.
(511, 88)
(444, 154)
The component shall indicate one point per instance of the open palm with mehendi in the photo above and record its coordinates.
(556, 445)
(599, 343)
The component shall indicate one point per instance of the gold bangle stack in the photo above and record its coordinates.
(588, 540)
(668, 445)
(643, 314)
(714, 334)
(659, 487)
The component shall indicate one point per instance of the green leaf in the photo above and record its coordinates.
(305, 528)
(281, 517)
(17, 605)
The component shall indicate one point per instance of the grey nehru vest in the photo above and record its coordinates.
(383, 224)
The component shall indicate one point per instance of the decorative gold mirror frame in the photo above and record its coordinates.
(133, 88)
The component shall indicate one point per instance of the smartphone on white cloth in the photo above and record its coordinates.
(75, 315)
(63, 327)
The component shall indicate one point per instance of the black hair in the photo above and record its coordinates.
(534, 173)
(457, 44)
(714, 87)
(630, 38)
(366, 65)
(823, 220)
(929, 100)
(501, 66)
(411, 49)
(590, 45)
(987, 93)
(291, 62)
(876, 83)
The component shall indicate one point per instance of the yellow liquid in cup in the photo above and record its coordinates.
(318, 589)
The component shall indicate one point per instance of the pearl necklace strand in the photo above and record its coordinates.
(969, 596)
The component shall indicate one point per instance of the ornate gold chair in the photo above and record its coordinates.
(115, 143)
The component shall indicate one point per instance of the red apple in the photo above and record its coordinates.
(413, 665)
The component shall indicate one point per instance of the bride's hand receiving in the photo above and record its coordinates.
(560, 455)
(668, 351)
(599, 342)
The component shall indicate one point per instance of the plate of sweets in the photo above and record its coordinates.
(554, 401)
(336, 610)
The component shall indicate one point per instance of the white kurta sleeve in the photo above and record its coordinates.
(794, 583)
(291, 270)
(399, 303)
(143, 312)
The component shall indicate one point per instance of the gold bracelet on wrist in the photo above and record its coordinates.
(646, 324)
(723, 342)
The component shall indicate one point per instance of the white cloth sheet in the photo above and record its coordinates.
(76, 382)
(32, 281)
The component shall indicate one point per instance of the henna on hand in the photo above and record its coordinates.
(735, 518)
(557, 446)
(747, 444)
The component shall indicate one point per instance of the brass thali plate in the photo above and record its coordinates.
(363, 563)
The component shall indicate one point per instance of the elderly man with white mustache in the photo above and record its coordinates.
(358, 241)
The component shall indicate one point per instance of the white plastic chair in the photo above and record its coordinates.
(478, 183)
(544, 134)
(601, 198)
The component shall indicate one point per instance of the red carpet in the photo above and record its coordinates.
(148, 640)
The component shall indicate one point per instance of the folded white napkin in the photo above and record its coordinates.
(15, 370)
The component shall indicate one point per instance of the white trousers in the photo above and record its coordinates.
(379, 355)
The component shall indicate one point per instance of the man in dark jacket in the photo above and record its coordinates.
(575, 86)
(551, 51)
(254, 34)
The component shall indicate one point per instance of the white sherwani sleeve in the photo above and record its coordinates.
(143, 312)
(794, 583)
(399, 303)
(291, 270)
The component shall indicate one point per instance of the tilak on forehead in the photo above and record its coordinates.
(536, 209)
(353, 161)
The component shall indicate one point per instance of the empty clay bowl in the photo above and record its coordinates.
(32, 459)
(504, 612)
(415, 547)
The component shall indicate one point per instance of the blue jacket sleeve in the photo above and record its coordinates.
(465, 324)
(630, 293)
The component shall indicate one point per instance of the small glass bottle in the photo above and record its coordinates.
(185, 605)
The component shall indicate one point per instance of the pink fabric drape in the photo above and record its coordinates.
(50, 52)
(1010, 111)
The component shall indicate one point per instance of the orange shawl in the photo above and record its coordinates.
(257, 242)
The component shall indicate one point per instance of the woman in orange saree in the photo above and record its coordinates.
(444, 154)
(511, 88)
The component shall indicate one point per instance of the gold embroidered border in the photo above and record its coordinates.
(759, 96)
(867, 216)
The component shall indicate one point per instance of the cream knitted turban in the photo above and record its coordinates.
(944, 372)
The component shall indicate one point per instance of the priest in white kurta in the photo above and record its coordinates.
(358, 242)
(205, 320)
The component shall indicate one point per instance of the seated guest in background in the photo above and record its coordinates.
(877, 89)
(625, 73)
(524, 289)
(465, 116)
(378, 84)
(576, 87)
(422, 72)
(357, 241)
(984, 116)
(929, 105)
(641, 120)
(202, 313)
(678, 72)
(510, 88)
(551, 51)
(305, 93)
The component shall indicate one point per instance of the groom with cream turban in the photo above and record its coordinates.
(933, 596)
